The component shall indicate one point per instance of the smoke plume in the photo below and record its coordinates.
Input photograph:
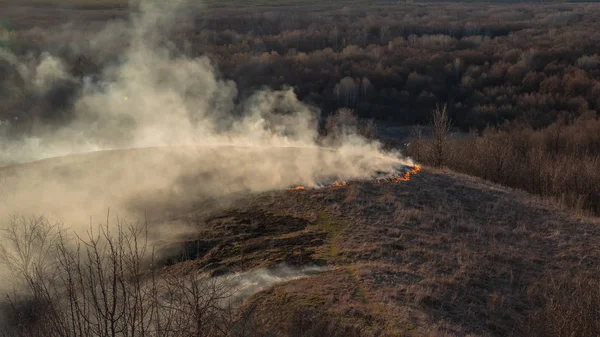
(181, 132)
(157, 132)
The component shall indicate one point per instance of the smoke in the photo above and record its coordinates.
(57, 272)
(187, 135)
(249, 283)
(154, 134)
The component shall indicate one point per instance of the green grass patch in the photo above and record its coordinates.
(314, 301)
(333, 233)
(359, 291)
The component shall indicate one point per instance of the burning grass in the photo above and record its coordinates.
(445, 252)
(404, 176)
(442, 255)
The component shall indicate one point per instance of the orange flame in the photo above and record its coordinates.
(338, 184)
(404, 177)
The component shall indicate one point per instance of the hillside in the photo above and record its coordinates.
(440, 251)
(294, 213)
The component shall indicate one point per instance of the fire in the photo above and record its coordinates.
(404, 177)
(338, 184)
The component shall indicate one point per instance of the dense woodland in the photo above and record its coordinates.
(489, 63)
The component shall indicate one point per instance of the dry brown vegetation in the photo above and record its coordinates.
(103, 285)
(559, 162)
(489, 62)
(444, 254)
(440, 255)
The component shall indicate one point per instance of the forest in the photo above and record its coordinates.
(489, 63)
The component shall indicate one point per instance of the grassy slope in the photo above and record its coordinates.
(441, 251)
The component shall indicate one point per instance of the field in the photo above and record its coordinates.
(440, 254)
(238, 168)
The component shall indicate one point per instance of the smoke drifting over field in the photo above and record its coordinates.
(251, 282)
(160, 132)
(209, 144)
(157, 133)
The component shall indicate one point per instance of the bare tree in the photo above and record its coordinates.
(440, 127)
(368, 129)
(105, 285)
(346, 122)
(343, 121)
(416, 146)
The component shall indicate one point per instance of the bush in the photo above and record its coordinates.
(569, 307)
(559, 162)
(104, 285)
(110, 284)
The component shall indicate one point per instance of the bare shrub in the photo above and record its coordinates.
(29, 247)
(104, 285)
(345, 122)
(432, 148)
(558, 162)
(440, 126)
(569, 307)
(109, 284)
(417, 146)
(367, 129)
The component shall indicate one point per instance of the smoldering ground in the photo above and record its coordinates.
(158, 131)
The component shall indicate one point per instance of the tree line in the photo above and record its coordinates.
(489, 63)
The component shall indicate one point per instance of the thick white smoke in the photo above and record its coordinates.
(209, 145)
(160, 132)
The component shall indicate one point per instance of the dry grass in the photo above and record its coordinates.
(558, 163)
(443, 250)
(569, 307)
(443, 254)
